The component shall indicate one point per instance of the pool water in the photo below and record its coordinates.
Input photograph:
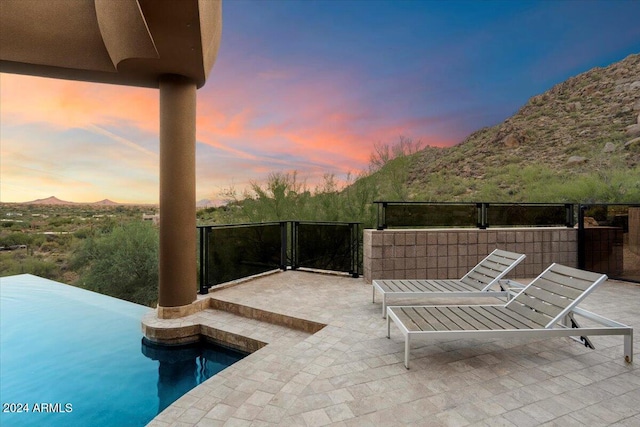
(71, 357)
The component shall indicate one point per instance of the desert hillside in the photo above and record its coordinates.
(582, 130)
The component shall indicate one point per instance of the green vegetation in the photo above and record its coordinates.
(283, 197)
(20, 262)
(63, 243)
(123, 263)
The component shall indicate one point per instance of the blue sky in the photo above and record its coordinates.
(310, 86)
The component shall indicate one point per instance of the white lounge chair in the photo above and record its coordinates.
(479, 281)
(544, 308)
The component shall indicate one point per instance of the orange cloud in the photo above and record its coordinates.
(65, 104)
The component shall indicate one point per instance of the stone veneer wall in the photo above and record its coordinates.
(450, 253)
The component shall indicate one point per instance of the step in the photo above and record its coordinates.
(229, 324)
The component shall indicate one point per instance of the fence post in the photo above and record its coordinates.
(381, 215)
(482, 215)
(569, 212)
(283, 245)
(294, 244)
(204, 260)
(581, 238)
(355, 248)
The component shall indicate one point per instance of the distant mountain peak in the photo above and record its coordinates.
(106, 202)
(208, 203)
(53, 200)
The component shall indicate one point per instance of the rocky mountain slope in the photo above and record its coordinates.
(586, 128)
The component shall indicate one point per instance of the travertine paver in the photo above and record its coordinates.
(350, 374)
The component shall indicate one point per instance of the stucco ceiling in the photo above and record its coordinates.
(129, 42)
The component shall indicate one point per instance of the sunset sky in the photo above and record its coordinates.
(309, 86)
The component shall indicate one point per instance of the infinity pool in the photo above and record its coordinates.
(71, 357)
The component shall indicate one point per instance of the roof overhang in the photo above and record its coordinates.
(125, 42)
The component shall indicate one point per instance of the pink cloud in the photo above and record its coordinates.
(281, 120)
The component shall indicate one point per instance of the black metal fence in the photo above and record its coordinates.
(327, 246)
(608, 234)
(231, 252)
(479, 215)
(421, 214)
(608, 237)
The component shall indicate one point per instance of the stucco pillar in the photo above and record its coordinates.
(178, 266)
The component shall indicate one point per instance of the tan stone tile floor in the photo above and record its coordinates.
(350, 374)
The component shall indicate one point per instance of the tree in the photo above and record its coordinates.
(384, 153)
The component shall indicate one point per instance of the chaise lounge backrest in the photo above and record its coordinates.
(553, 294)
(495, 266)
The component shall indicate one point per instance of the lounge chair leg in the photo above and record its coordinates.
(388, 327)
(407, 343)
(384, 306)
(628, 347)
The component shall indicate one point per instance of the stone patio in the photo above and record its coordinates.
(349, 374)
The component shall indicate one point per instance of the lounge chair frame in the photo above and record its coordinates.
(478, 282)
(545, 308)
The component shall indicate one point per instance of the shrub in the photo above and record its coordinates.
(123, 264)
(18, 262)
(16, 239)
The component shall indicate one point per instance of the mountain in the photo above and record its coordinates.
(49, 201)
(55, 201)
(207, 203)
(106, 202)
(579, 141)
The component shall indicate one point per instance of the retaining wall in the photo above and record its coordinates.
(450, 253)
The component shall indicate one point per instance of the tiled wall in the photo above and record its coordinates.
(450, 253)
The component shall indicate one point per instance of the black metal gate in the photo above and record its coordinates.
(609, 240)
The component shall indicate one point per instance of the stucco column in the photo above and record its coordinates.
(178, 266)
